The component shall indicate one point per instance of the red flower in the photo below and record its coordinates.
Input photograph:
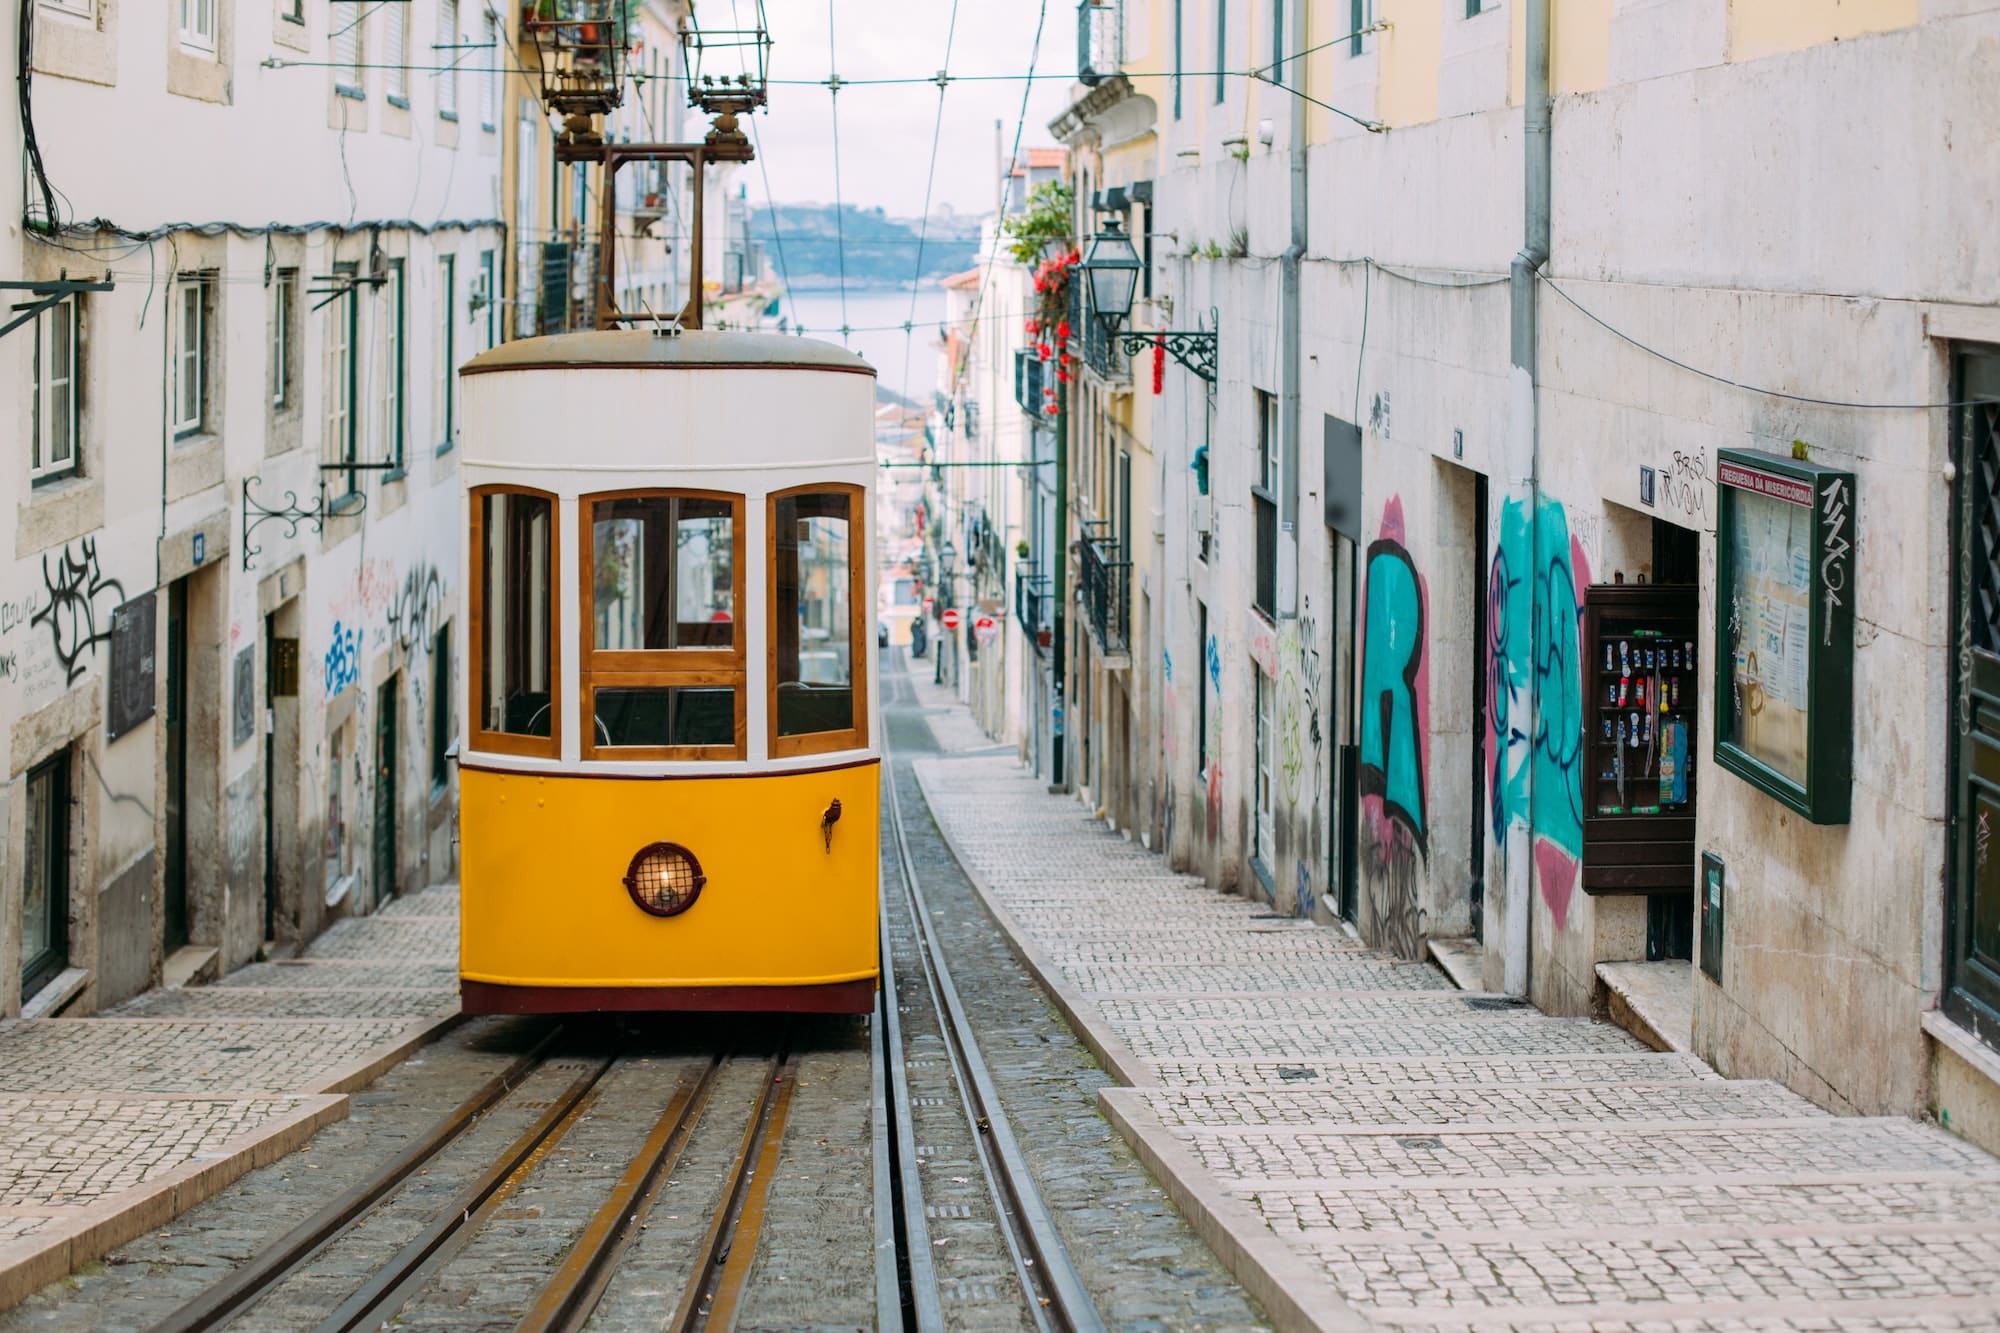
(1062, 377)
(1062, 330)
(1159, 365)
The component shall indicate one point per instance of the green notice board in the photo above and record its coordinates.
(1784, 611)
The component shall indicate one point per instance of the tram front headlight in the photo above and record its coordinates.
(664, 879)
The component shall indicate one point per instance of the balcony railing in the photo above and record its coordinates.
(1031, 376)
(1105, 577)
(1099, 349)
(1100, 40)
(1033, 607)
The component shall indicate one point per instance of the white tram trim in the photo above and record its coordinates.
(792, 465)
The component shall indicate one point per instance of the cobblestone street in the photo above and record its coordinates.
(1369, 1146)
(110, 1126)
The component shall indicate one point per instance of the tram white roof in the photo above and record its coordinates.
(695, 349)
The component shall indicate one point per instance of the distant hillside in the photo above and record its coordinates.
(880, 250)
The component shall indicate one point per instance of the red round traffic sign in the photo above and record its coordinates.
(951, 617)
(985, 629)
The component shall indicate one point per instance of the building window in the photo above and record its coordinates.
(1361, 14)
(525, 249)
(190, 369)
(397, 52)
(447, 59)
(1263, 845)
(447, 341)
(1221, 50)
(1264, 503)
(346, 43)
(395, 373)
(1473, 8)
(198, 25)
(52, 449)
(81, 8)
(1178, 5)
(487, 298)
(1278, 40)
(341, 318)
(489, 78)
(284, 338)
(441, 709)
(293, 11)
(45, 880)
(513, 657)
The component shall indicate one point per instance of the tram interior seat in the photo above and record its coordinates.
(803, 709)
(682, 715)
(528, 713)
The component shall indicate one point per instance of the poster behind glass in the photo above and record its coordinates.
(1770, 630)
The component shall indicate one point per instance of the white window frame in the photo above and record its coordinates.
(347, 51)
(395, 375)
(200, 20)
(489, 80)
(444, 418)
(447, 59)
(527, 272)
(397, 53)
(341, 446)
(83, 9)
(284, 302)
(56, 400)
(190, 355)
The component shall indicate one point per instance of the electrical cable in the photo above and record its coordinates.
(930, 182)
(1710, 375)
(834, 86)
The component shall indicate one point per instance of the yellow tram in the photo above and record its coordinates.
(668, 773)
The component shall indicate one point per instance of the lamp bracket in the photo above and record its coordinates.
(1194, 349)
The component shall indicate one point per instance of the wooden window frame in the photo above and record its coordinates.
(507, 742)
(856, 736)
(662, 668)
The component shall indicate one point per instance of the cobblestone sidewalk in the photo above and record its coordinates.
(111, 1125)
(1367, 1146)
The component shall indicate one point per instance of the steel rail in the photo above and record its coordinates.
(217, 1304)
(1055, 1289)
(572, 1295)
(715, 1291)
(908, 1263)
(453, 1225)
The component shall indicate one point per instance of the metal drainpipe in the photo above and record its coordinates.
(1524, 455)
(1288, 326)
(1058, 730)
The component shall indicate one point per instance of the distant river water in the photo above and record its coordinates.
(876, 316)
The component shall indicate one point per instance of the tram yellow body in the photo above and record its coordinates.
(668, 774)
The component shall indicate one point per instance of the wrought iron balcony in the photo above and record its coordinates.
(1034, 606)
(1098, 347)
(1031, 378)
(1100, 40)
(1105, 577)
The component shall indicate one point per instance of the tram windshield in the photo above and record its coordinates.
(665, 572)
(813, 632)
(514, 674)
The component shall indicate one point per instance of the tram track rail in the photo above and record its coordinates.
(1057, 1299)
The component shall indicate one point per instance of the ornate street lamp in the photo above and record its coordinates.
(1111, 269)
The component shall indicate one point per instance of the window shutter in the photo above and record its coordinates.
(399, 50)
(347, 55)
(447, 56)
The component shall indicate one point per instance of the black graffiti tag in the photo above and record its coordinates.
(74, 587)
(413, 616)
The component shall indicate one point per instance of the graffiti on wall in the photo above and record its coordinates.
(1298, 702)
(1212, 741)
(414, 613)
(77, 613)
(342, 664)
(1395, 706)
(1685, 484)
(1526, 587)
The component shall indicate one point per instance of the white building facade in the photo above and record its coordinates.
(230, 532)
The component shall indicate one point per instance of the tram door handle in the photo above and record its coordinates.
(827, 821)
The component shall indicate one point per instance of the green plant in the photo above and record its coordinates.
(1241, 152)
(1239, 242)
(1211, 251)
(1046, 218)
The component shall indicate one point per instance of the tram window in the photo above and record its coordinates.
(515, 670)
(666, 716)
(663, 572)
(813, 647)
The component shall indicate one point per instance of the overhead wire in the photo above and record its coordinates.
(839, 226)
(930, 182)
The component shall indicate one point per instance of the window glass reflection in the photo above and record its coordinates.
(514, 598)
(664, 573)
(666, 715)
(812, 636)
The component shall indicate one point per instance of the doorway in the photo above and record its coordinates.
(1344, 799)
(1479, 670)
(1670, 916)
(175, 929)
(385, 792)
(1972, 947)
(45, 882)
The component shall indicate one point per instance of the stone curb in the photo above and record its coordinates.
(1294, 1292)
(360, 1073)
(31, 1263)
(1091, 1027)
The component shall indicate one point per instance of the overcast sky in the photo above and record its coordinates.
(885, 132)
